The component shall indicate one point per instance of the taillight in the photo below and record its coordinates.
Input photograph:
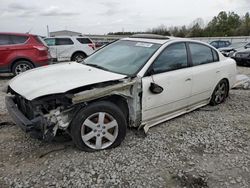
(92, 45)
(41, 48)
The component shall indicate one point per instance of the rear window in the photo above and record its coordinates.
(64, 41)
(39, 40)
(84, 40)
(5, 40)
(18, 39)
(201, 54)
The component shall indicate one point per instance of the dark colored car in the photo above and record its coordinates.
(243, 57)
(20, 52)
(220, 43)
(231, 50)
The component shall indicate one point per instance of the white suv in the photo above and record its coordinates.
(139, 81)
(70, 48)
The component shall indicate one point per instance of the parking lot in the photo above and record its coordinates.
(209, 147)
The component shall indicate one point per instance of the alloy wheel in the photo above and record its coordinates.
(20, 68)
(99, 130)
(220, 93)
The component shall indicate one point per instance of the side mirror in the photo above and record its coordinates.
(156, 89)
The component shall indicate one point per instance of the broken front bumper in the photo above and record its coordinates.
(18, 117)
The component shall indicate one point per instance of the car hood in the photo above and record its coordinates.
(58, 78)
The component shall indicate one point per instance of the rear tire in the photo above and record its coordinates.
(220, 93)
(78, 57)
(21, 66)
(101, 125)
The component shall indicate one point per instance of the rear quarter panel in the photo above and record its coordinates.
(228, 70)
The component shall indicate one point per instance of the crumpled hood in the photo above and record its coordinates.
(58, 78)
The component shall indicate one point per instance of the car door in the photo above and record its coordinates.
(205, 71)
(64, 48)
(170, 71)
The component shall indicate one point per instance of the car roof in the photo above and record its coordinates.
(18, 34)
(160, 40)
(65, 36)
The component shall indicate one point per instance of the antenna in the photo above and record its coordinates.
(48, 34)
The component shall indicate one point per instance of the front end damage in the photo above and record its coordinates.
(44, 116)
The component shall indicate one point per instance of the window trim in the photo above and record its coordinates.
(189, 51)
(147, 73)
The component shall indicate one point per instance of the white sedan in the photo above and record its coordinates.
(139, 81)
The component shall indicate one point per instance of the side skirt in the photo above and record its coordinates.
(147, 125)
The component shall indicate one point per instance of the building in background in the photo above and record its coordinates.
(64, 33)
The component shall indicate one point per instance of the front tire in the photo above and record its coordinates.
(101, 125)
(220, 93)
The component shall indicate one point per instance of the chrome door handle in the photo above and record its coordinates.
(188, 79)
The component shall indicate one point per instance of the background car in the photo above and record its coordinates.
(243, 57)
(220, 43)
(20, 52)
(75, 48)
(233, 48)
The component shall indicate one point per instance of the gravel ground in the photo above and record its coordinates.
(209, 147)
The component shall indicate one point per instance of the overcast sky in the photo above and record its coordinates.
(103, 16)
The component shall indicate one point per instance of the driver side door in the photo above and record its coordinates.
(171, 72)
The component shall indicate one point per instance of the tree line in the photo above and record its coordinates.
(223, 25)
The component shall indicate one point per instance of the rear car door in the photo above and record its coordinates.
(65, 48)
(171, 72)
(205, 71)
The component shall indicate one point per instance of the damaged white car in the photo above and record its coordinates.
(139, 81)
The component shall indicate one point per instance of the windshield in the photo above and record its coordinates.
(238, 45)
(123, 57)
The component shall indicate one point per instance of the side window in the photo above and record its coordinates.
(19, 39)
(214, 44)
(64, 41)
(200, 54)
(221, 44)
(5, 40)
(84, 40)
(172, 58)
(50, 41)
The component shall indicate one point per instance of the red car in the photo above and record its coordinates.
(21, 52)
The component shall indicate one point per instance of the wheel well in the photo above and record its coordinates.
(80, 52)
(120, 101)
(20, 59)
